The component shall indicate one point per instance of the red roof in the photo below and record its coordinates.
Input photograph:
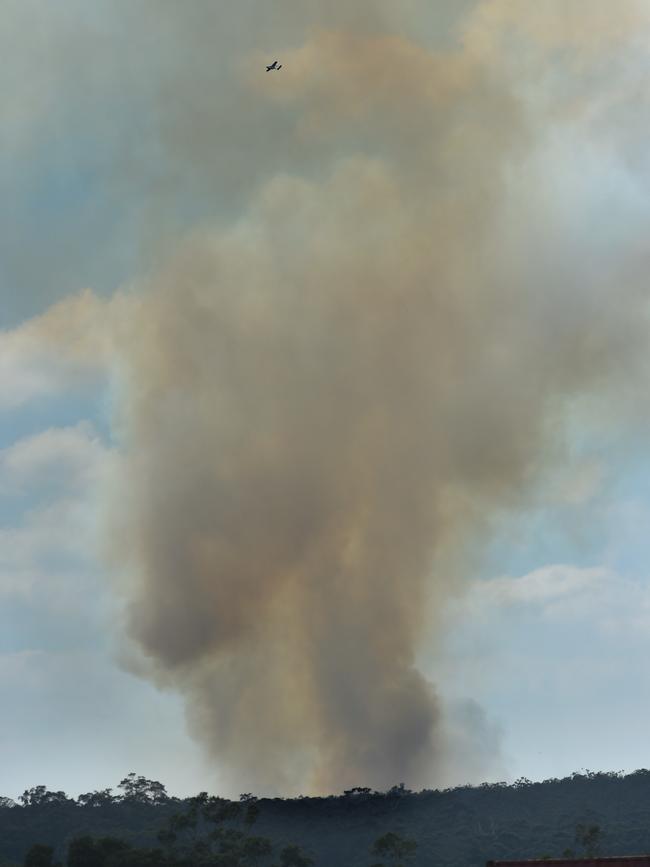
(616, 861)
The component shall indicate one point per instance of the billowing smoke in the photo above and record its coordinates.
(325, 399)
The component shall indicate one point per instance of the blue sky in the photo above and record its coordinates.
(543, 652)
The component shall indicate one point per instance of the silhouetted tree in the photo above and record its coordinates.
(357, 792)
(293, 856)
(103, 852)
(251, 808)
(143, 791)
(201, 836)
(394, 847)
(40, 796)
(40, 856)
(398, 791)
(589, 837)
(102, 798)
(255, 848)
(85, 852)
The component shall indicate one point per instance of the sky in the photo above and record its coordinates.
(323, 430)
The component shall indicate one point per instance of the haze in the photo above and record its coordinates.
(323, 456)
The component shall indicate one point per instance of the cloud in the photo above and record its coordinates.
(598, 598)
(324, 398)
(562, 609)
(74, 456)
(50, 353)
(360, 322)
(547, 654)
(541, 587)
(51, 484)
(586, 27)
(74, 701)
(68, 346)
(60, 689)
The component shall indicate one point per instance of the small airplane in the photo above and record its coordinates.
(274, 65)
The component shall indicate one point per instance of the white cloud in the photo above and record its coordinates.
(31, 368)
(75, 456)
(546, 654)
(27, 370)
(540, 587)
(61, 691)
(70, 344)
(49, 558)
(64, 703)
(597, 599)
(48, 548)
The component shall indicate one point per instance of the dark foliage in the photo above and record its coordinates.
(40, 856)
(394, 848)
(140, 790)
(201, 836)
(587, 813)
(293, 856)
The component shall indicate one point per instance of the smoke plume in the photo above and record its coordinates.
(324, 398)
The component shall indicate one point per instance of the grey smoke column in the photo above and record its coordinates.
(327, 396)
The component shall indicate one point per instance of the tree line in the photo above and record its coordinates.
(210, 832)
(460, 827)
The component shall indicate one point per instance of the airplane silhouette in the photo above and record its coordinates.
(273, 66)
